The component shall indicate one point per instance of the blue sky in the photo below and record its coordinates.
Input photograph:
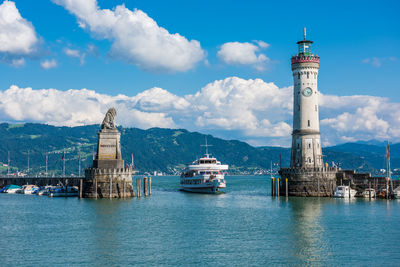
(358, 43)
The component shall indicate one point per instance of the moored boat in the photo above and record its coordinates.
(62, 191)
(204, 175)
(11, 189)
(344, 191)
(396, 193)
(366, 193)
(30, 189)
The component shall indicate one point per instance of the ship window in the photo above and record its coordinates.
(308, 123)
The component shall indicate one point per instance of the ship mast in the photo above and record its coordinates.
(206, 145)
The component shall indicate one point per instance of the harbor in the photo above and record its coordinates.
(179, 228)
(143, 185)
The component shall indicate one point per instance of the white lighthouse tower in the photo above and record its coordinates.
(306, 141)
(307, 175)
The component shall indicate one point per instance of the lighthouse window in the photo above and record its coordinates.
(309, 145)
(308, 75)
(308, 123)
(309, 160)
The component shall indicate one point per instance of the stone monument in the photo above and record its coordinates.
(108, 177)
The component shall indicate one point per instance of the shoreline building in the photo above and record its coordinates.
(307, 175)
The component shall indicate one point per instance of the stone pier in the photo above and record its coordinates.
(309, 182)
(108, 183)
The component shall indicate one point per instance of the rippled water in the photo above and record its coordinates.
(243, 227)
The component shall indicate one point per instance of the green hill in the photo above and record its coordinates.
(156, 149)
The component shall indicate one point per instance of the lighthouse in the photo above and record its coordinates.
(307, 175)
(306, 140)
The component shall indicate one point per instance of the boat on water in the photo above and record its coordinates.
(342, 191)
(10, 189)
(44, 190)
(367, 191)
(30, 189)
(62, 191)
(204, 175)
(396, 193)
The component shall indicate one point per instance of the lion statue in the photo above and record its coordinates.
(109, 119)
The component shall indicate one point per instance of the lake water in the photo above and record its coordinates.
(244, 227)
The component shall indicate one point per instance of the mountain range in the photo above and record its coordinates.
(163, 150)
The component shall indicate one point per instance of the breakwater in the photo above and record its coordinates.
(142, 184)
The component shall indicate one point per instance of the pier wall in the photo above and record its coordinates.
(108, 183)
(308, 182)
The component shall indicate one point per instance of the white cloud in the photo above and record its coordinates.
(136, 38)
(360, 117)
(17, 62)
(234, 108)
(76, 54)
(48, 64)
(236, 53)
(17, 35)
(73, 107)
(377, 61)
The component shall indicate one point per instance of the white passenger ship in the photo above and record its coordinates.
(204, 175)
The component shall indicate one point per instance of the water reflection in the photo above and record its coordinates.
(309, 246)
(107, 229)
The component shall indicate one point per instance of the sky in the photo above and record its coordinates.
(217, 67)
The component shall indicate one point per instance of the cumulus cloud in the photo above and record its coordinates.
(136, 38)
(18, 38)
(360, 117)
(236, 53)
(234, 108)
(48, 64)
(76, 54)
(73, 107)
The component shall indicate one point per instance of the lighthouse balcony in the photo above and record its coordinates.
(305, 59)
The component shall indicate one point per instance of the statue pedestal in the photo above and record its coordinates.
(108, 178)
(108, 183)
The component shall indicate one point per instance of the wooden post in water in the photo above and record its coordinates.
(80, 187)
(149, 185)
(369, 190)
(95, 187)
(138, 187)
(110, 186)
(287, 188)
(277, 187)
(145, 186)
(272, 186)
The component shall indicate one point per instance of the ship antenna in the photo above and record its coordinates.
(206, 145)
(304, 33)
